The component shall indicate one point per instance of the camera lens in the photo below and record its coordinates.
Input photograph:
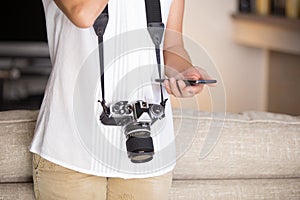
(135, 129)
(139, 144)
(140, 150)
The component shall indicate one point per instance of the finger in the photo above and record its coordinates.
(167, 86)
(189, 91)
(179, 88)
(174, 87)
(195, 89)
(185, 92)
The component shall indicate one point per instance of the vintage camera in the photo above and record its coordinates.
(136, 120)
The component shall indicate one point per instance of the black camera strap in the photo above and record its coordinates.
(155, 28)
(100, 27)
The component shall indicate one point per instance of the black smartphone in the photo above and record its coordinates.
(191, 82)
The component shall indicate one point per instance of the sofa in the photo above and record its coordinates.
(248, 155)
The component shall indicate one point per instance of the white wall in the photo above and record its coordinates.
(242, 69)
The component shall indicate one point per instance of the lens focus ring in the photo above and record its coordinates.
(135, 144)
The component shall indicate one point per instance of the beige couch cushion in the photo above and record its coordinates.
(250, 145)
(238, 189)
(15, 191)
(256, 155)
(16, 131)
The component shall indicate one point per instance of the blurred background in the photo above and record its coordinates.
(254, 45)
(24, 58)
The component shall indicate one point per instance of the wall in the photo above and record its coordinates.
(284, 95)
(242, 69)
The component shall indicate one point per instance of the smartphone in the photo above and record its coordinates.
(191, 82)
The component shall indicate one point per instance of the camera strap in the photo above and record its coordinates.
(100, 27)
(155, 28)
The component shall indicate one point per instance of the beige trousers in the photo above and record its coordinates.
(52, 181)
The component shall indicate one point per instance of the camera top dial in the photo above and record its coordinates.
(157, 111)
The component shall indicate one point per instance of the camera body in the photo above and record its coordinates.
(136, 120)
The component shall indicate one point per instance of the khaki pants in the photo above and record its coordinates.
(52, 181)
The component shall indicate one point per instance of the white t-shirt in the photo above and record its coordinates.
(68, 131)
